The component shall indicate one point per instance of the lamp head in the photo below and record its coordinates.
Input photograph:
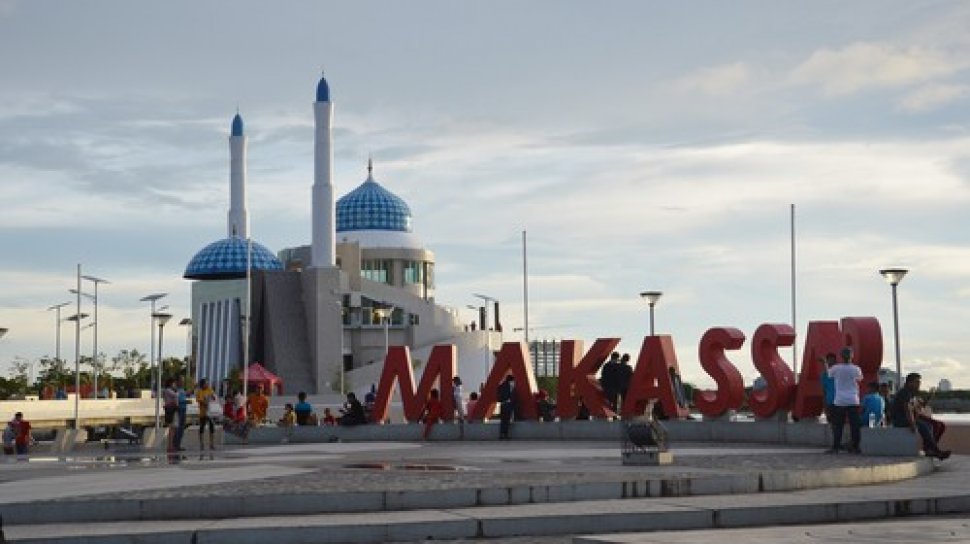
(651, 296)
(893, 275)
(161, 318)
(3, 331)
(154, 297)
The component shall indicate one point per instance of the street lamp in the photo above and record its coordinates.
(76, 318)
(151, 327)
(385, 315)
(187, 322)
(894, 276)
(3, 331)
(57, 330)
(652, 297)
(94, 359)
(161, 319)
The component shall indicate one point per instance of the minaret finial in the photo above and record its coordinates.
(370, 166)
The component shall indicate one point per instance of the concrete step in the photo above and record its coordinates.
(101, 508)
(575, 518)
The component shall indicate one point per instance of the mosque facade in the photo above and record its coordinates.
(321, 315)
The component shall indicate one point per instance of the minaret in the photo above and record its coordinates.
(324, 217)
(238, 224)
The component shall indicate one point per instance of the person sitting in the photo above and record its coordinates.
(328, 418)
(258, 404)
(904, 414)
(302, 409)
(873, 407)
(289, 416)
(353, 412)
(544, 407)
(433, 411)
(470, 407)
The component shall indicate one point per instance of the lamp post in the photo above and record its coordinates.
(894, 276)
(57, 328)
(151, 327)
(161, 319)
(187, 322)
(385, 315)
(76, 318)
(652, 297)
(94, 359)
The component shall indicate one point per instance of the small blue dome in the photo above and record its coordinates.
(226, 259)
(237, 125)
(323, 90)
(372, 207)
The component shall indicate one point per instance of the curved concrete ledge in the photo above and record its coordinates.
(200, 507)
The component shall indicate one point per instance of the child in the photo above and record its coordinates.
(328, 418)
(289, 416)
(432, 413)
(470, 407)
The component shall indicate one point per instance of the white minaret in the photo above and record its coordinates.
(324, 216)
(238, 224)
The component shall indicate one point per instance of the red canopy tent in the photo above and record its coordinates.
(258, 375)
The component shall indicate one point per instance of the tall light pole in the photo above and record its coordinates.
(385, 315)
(94, 359)
(187, 322)
(161, 319)
(76, 318)
(151, 327)
(57, 329)
(652, 297)
(894, 276)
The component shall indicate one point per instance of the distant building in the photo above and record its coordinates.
(944, 386)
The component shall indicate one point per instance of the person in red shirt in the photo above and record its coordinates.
(23, 439)
(433, 411)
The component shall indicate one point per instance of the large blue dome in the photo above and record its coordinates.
(372, 207)
(226, 259)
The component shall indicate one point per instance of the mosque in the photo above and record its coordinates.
(322, 315)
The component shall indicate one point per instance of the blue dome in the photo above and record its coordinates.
(237, 125)
(372, 207)
(323, 90)
(226, 259)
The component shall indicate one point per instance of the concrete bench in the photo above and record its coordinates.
(890, 441)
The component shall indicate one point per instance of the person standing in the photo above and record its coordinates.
(433, 410)
(846, 402)
(828, 392)
(182, 398)
(609, 381)
(458, 395)
(205, 396)
(904, 415)
(22, 437)
(170, 402)
(507, 405)
(624, 373)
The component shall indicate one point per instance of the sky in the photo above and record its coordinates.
(641, 145)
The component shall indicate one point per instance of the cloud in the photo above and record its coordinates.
(864, 65)
(717, 80)
(932, 96)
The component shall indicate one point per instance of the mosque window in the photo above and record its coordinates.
(378, 270)
(413, 272)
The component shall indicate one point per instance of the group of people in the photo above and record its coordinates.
(905, 409)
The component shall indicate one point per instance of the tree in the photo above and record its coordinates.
(54, 372)
(134, 367)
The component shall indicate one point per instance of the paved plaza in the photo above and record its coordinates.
(508, 491)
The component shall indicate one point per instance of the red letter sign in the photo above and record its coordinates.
(730, 385)
(397, 365)
(780, 392)
(511, 360)
(823, 338)
(578, 381)
(652, 379)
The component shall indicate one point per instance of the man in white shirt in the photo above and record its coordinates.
(846, 404)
